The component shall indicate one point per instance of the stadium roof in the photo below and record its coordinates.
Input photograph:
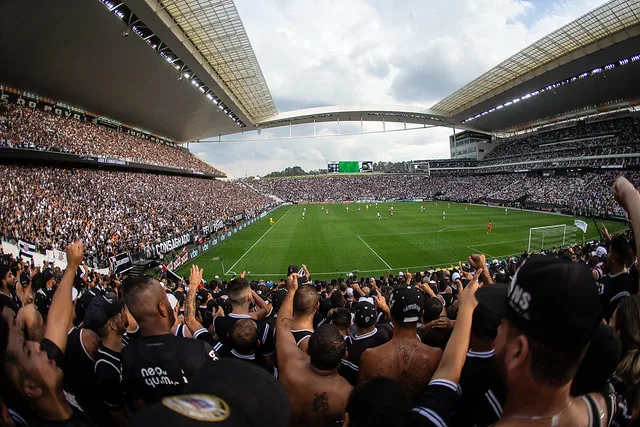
(183, 69)
(597, 29)
(216, 31)
(343, 113)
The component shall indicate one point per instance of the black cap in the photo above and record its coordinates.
(406, 304)
(221, 394)
(43, 300)
(100, 311)
(278, 298)
(366, 315)
(552, 301)
(83, 302)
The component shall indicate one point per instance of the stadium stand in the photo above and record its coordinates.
(113, 211)
(24, 127)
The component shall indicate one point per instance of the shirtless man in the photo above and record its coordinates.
(404, 358)
(318, 394)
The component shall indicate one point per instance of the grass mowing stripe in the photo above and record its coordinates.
(375, 253)
(257, 241)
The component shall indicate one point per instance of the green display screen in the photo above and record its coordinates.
(349, 167)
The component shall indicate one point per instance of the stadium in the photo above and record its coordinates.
(375, 262)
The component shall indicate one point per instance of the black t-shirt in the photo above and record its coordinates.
(482, 394)
(79, 372)
(158, 366)
(436, 404)
(356, 345)
(130, 336)
(612, 289)
(11, 302)
(222, 325)
(254, 358)
(78, 418)
(109, 379)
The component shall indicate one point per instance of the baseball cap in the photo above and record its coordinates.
(552, 301)
(223, 401)
(406, 304)
(173, 301)
(455, 276)
(100, 310)
(600, 252)
(366, 315)
(278, 298)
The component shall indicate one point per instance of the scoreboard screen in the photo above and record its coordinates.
(350, 167)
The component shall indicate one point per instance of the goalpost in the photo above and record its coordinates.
(549, 237)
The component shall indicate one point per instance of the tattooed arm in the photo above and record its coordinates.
(286, 348)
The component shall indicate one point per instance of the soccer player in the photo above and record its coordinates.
(444, 214)
(466, 208)
(326, 212)
(421, 208)
(347, 209)
(489, 227)
(379, 217)
(366, 207)
(359, 209)
(303, 213)
(506, 210)
(271, 221)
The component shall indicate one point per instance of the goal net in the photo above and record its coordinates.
(551, 237)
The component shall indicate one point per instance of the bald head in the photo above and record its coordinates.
(305, 301)
(147, 302)
(244, 336)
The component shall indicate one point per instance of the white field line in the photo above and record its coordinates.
(480, 252)
(257, 241)
(375, 253)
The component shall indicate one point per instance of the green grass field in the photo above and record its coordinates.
(336, 243)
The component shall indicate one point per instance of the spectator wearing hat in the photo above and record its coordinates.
(305, 305)
(107, 318)
(317, 393)
(244, 345)
(404, 358)
(368, 335)
(550, 311)
(617, 283)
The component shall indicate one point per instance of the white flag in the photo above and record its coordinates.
(581, 225)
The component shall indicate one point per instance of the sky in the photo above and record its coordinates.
(316, 53)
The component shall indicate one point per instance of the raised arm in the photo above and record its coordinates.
(61, 311)
(456, 350)
(629, 198)
(286, 348)
(195, 277)
(479, 262)
(263, 308)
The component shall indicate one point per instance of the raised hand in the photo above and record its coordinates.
(75, 254)
(195, 276)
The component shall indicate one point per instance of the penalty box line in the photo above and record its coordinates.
(257, 241)
(375, 253)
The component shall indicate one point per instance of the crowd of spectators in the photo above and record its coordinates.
(25, 127)
(585, 193)
(544, 339)
(112, 211)
(616, 136)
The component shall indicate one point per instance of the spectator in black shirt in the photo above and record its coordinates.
(618, 283)
(33, 369)
(244, 343)
(549, 313)
(367, 336)
(482, 392)
(341, 318)
(435, 330)
(7, 288)
(157, 364)
(107, 318)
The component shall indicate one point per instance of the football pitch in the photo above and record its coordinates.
(335, 243)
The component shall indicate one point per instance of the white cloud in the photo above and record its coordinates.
(330, 52)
